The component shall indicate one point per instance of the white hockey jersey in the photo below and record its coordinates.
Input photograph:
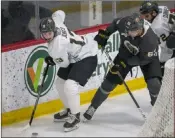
(162, 26)
(68, 47)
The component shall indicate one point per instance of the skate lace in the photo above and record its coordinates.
(71, 118)
(63, 112)
(90, 111)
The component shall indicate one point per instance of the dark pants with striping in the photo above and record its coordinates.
(152, 75)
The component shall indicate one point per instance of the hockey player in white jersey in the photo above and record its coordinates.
(77, 58)
(163, 23)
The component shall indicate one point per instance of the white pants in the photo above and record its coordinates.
(69, 95)
(165, 54)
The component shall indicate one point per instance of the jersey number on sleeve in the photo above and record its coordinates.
(72, 40)
(171, 18)
(163, 37)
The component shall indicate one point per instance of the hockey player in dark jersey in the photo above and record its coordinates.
(163, 23)
(139, 47)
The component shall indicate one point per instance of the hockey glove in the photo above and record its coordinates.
(102, 38)
(114, 69)
(131, 48)
(49, 60)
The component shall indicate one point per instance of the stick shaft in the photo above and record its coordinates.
(126, 86)
(39, 93)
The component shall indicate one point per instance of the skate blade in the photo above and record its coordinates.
(72, 128)
(60, 120)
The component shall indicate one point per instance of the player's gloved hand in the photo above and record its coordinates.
(131, 48)
(114, 69)
(117, 67)
(49, 60)
(102, 38)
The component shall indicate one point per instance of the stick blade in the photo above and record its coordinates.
(21, 130)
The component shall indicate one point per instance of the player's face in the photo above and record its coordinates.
(133, 33)
(148, 17)
(48, 36)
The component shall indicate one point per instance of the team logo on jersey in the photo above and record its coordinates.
(33, 72)
(58, 60)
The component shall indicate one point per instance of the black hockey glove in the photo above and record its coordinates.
(49, 60)
(114, 69)
(102, 38)
(131, 48)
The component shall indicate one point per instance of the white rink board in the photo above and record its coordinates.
(15, 95)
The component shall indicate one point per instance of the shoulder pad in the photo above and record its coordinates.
(118, 20)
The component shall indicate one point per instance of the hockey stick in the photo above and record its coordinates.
(37, 100)
(126, 86)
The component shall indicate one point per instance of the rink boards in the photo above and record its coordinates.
(22, 68)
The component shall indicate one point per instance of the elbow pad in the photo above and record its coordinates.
(171, 41)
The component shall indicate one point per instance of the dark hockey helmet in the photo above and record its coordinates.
(134, 22)
(149, 6)
(47, 25)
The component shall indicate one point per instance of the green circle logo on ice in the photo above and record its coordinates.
(33, 72)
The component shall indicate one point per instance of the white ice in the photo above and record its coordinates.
(116, 117)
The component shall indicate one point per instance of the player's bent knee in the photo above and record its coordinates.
(71, 87)
(107, 87)
(60, 81)
(170, 41)
(59, 84)
(154, 85)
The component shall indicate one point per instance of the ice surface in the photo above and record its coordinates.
(117, 117)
